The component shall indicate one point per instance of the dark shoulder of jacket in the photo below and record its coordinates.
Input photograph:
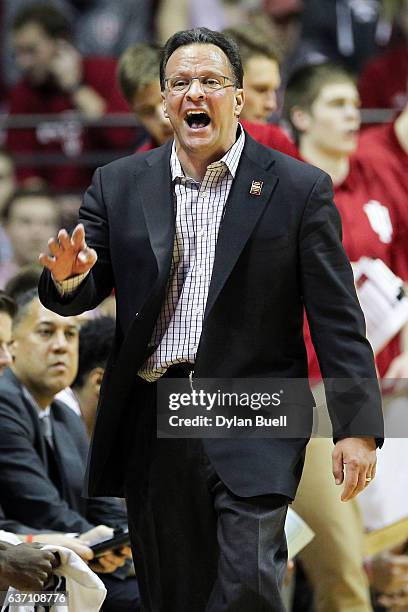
(11, 390)
(64, 413)
(134, 163)
(13, 405)
(285, 166)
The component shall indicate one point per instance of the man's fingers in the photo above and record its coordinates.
(337, 462)
(54, 247)
(103, 565)
(46, 261)
(78, 237)
(64, 240)
(87, 257)
(350, 481)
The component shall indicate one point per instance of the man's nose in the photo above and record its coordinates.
(5, 356)
(352, 111)
(270, 102)
(195, 91)
(60, 342)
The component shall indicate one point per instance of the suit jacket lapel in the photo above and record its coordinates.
(155, 191)
(241, 214)
(70, 464)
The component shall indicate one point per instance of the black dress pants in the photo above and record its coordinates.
(196, 546)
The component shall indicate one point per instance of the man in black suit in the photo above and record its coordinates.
(43, 444)
(214, 246)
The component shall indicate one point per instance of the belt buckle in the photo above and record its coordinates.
(190, 378)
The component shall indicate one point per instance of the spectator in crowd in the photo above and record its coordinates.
(138, 76)
(384, 79)
(103, 27)
(28, 217)
(56, 79)
(95, 344)
(8, 184)
(25, 279)
(99, 27)
(260, 60)
(341, 31)
(280, 20)
(43, 445)
(322, 104)
(387, 147)
(175, 15)
(321, 101)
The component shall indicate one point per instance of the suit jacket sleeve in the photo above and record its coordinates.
(26, 492)
(336, 320)
(98, 284)
(13, 526)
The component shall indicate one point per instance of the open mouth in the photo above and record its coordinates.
(197, 119)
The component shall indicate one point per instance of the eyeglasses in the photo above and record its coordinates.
(209, 84)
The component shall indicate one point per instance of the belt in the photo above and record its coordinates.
(179, 370)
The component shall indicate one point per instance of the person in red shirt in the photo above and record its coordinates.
(387, 147)
(383, 80)
(322, 105)
(138, 77)
(262, 80)
(56, 79)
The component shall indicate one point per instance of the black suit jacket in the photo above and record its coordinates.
(27, 494)
(277, 253)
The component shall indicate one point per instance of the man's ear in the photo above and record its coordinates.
(95, 379)
(239, 102)
(164, 106)
(12, 348)
(300, 118)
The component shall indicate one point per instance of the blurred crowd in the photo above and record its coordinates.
(326, 81)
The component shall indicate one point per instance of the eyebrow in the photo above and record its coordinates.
(53, 324)
(203, 72)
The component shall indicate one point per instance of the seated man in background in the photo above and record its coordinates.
(138, 77)
(56, 79)
(28, 217)
(95, 343)
(43, 445)
(24, 567)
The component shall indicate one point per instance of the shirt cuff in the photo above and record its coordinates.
(70, 285)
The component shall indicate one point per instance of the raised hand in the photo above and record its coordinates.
(70, 255)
